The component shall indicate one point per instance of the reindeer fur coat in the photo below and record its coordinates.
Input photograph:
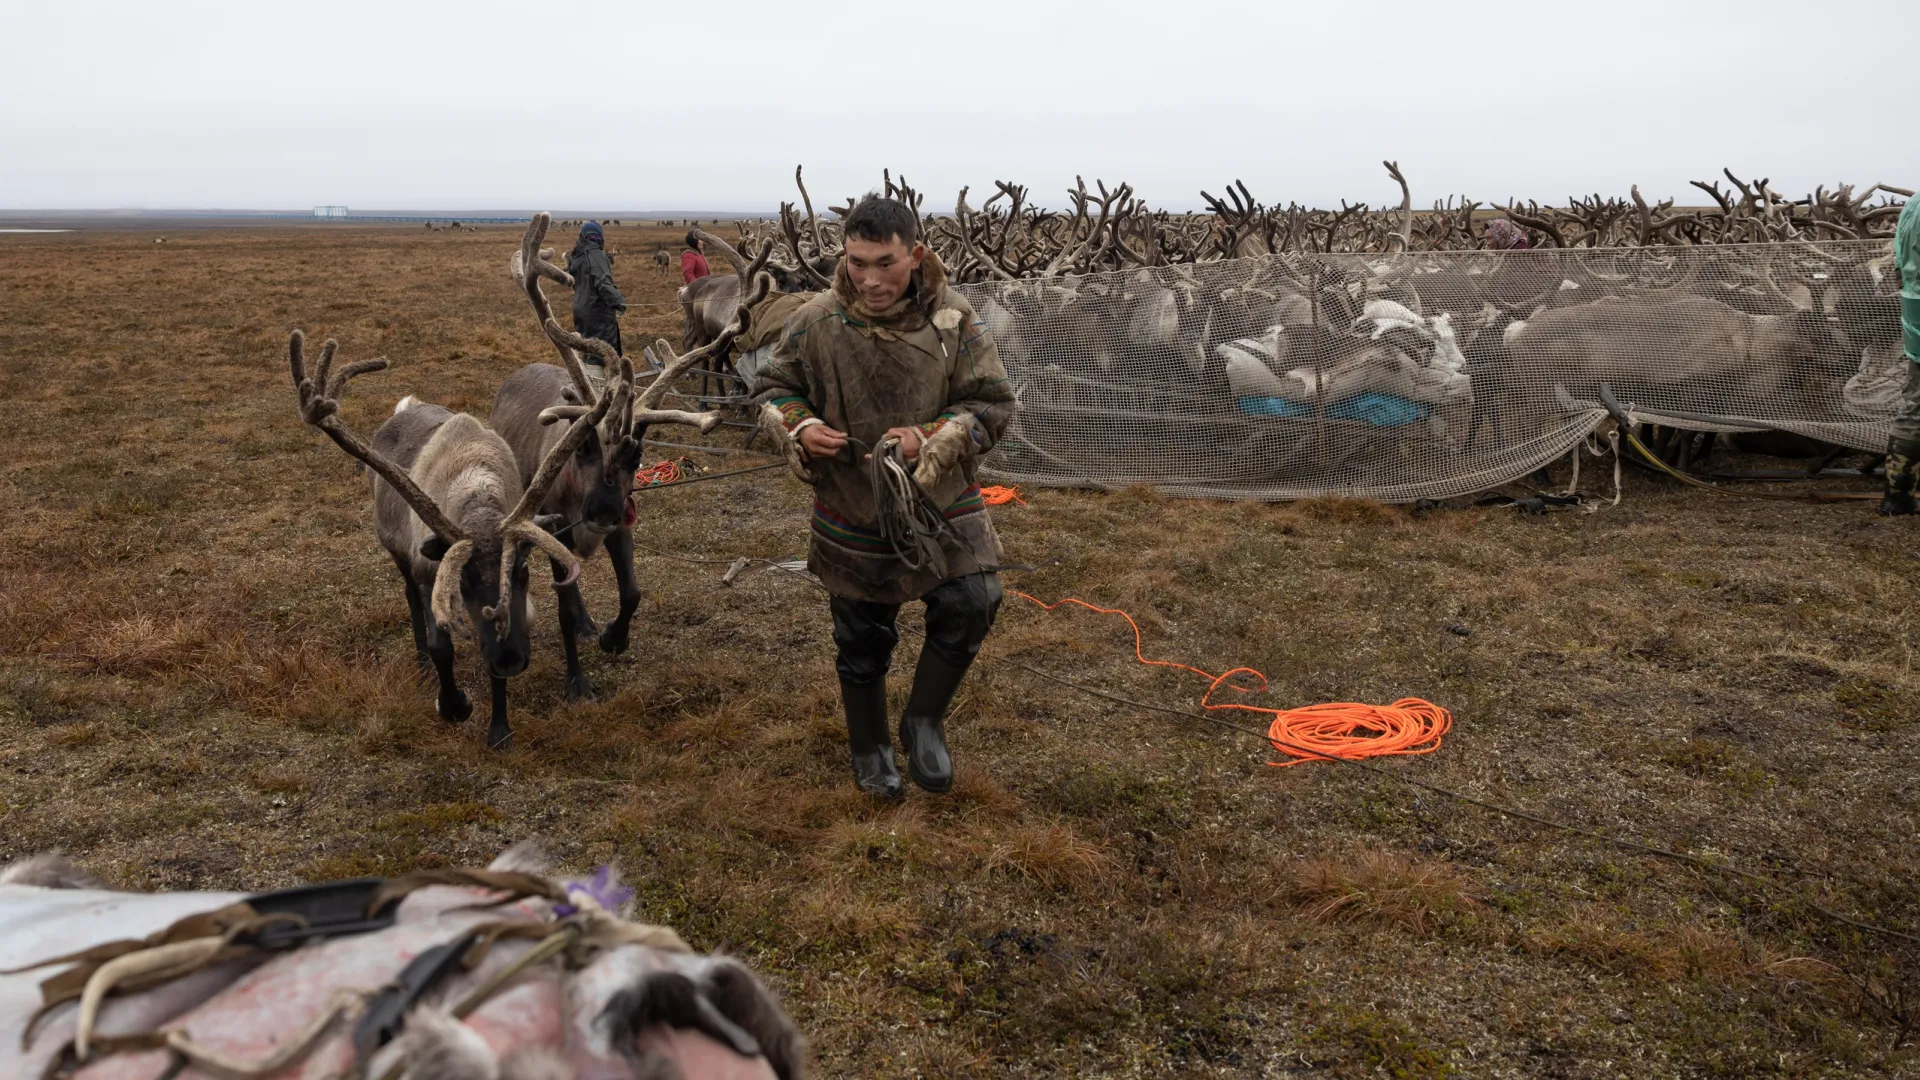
(927, 361)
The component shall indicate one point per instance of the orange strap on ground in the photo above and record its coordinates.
(995, 495)
(1337, 730)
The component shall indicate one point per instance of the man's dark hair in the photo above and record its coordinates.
(693, 240)
(878, 219)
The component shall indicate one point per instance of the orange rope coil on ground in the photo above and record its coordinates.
(1336, 730)
(995, 495)
(671, 471)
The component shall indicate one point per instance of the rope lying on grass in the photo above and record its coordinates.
(1287, 745)
(1334, 731)
(642, 481)
(663, 473)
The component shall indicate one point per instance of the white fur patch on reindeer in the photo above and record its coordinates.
(435, 1046)
(946, 318)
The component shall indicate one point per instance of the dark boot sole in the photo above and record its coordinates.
(931, 789)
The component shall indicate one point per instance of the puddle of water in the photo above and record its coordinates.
(34, 230)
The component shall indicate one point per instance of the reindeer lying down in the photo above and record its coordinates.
(496, 974)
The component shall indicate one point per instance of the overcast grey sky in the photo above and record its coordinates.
(568, 105)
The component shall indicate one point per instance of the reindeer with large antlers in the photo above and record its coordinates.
(590, 497)
(708, 304)
(456, 512)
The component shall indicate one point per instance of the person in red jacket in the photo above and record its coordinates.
(693, 265)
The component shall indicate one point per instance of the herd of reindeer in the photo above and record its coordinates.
(1009, 238)
(1114, 303)
(1756, 298)
(1108, 306)
(462, 504)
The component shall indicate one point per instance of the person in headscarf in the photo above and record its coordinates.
(1504, 235)
(597, 303)
(693, 262)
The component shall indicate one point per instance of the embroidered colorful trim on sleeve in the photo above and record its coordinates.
(792, 410)
(935, 424)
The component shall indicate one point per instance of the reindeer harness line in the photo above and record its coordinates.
(913, 374)
(495, 974)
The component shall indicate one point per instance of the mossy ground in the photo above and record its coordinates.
(206, 681)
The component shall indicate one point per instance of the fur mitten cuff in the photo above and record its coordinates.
(775, 424)
(943, 451)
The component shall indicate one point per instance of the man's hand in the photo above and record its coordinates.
(910, 440)
(821, 441)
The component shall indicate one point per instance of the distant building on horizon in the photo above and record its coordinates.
(329, 211)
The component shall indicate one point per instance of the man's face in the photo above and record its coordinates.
(881, 270)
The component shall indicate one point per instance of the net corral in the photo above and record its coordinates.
(1427, 375)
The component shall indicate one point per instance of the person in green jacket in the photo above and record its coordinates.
(1903, 440)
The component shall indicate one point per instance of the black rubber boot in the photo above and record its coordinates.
(866, 705)
(923, 734)
(1903, 462)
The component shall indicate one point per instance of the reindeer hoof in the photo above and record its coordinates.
(579, 689)
(455, 707)
(500, 740)
(614, 641)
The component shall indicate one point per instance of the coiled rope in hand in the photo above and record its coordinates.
(910, 520)
(1347, 730)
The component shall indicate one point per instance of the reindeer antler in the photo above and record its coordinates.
(734, 259)
(964, 217)
(320, 406)
(819, 245)
(645, 407)
(518, 528)
(1405, 234)
(527, 267)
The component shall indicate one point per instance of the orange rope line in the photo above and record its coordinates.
(1338, 729)
(995, 495)
(671, 471)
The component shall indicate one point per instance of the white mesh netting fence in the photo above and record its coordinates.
(1400, 377)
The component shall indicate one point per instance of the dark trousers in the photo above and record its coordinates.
(605, 328)
(960, 611)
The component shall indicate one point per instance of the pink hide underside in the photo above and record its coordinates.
(269, 1006)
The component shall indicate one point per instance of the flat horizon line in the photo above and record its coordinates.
(307, 214)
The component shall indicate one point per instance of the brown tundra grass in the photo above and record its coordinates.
(206, 681)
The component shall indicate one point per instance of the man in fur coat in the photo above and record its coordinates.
(890, 353)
